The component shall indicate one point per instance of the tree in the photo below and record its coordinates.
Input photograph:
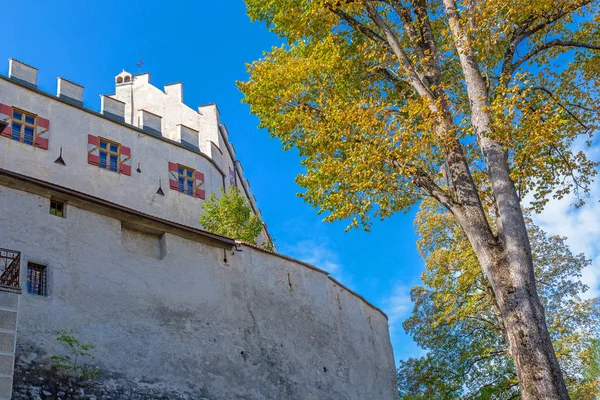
(230, 215)
(470, 102)
(592, 370)
(456, 319)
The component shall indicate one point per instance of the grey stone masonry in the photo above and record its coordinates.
(9, 309)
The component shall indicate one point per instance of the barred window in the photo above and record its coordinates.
(23, 126)
(36, 279)
(10, 267)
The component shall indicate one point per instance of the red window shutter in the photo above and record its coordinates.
(173, 176)
(199, 177)
(41, 136)
(93, 150)
(6, 116)
(125, 162)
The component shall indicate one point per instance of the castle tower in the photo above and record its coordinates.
(99, 236)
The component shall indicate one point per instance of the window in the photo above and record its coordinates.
(23, 126)
(10, 267)
(109, 155)
(186, 180)
(57, 208)
(36, 279)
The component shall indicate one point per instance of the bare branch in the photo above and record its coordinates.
(354, 23)
(526, 28)
(554, 18)
(546, 46)
(407, 22)
(561, 105)
(424, 181)
(415, 79)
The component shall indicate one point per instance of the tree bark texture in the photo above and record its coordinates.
(508, 262)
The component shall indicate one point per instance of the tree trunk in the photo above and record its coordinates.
(539, 373)
(513, 282)
(507, 262)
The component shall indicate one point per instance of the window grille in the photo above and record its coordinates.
(10, 267)
(36, 279)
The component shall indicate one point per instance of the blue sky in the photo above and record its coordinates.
(206, 45)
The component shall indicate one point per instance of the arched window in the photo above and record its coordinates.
(127, 79)
(119, 80)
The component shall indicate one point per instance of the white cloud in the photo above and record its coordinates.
(581, 226)
(319, 254)
(398, 307)
(582, 229)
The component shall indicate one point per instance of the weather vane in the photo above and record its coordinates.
(140, 63)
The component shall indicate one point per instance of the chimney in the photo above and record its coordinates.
(112, 108)
(150, 122)
(69, 91)
(188, 137)
(22, 72)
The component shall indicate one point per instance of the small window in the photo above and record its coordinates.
(57, 208)
(109, 155)
(36, 279)
(127, 79)
(186, 180)
(10, 267)
(119, 80)
(23, 126)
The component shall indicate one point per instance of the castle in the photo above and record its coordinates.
(100, 235)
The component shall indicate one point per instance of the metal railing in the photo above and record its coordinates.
(10, 267)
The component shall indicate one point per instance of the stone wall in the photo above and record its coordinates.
(9, 305)
(172, 316)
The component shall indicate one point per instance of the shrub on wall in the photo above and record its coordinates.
(231, 215)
